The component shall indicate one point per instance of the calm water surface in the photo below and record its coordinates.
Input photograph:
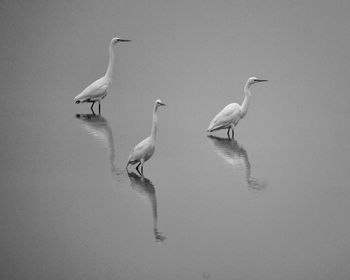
(271, 204)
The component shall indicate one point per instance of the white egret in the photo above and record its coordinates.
(98, 89)
(145, 149)
(229, 117)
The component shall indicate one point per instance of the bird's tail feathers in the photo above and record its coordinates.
(211, 126)
(130, 162)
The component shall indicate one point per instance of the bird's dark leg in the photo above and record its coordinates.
(137, 168)
(99, 107)
(92, 107)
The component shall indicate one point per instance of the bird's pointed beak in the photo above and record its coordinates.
(258, 80)
(162, 104)
(124, 40)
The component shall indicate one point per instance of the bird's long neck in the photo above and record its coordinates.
(154, 123)
(109, 71)
(245, 103)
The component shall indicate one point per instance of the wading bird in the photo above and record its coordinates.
(98, 89)
(145, 149)
(229, 117)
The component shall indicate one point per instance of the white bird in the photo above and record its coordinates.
(98, 89)
(145, 149)
(229, 117)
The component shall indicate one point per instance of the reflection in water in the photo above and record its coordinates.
(97, 126)
(145, 189)
(237, 156)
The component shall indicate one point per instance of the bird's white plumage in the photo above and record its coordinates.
(145, 149)
(228, 116)
(94, 92)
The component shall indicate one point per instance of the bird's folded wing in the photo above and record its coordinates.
(95, 90)
(139, 149)
(225, 117)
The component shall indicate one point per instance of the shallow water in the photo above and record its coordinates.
(271, 204)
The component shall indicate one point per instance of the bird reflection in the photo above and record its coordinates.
(145, 189)
(235, 155)
(98, 127)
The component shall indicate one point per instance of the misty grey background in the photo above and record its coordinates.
(273, 205)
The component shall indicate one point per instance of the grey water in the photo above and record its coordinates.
(271, 204)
